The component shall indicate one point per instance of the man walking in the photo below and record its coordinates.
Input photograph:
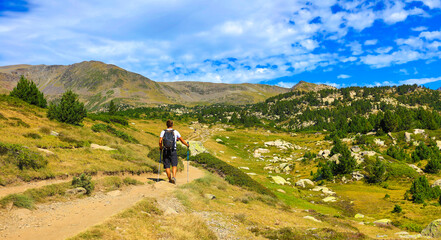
(167, 144)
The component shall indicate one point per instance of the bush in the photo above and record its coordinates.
(421, 190)
(120, 134)
(32, 135)
(85, 182)
(324, 172)
(397, 153)
(433, 166)
(70, 110)
(231, 174)
(131, 181)
(18, 200)
(28, 92)
(376, 173)
(421, 152)
(346, 164)
(108, 118)
(397, 209)
(22, 157)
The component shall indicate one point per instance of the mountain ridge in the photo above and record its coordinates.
(97, 83)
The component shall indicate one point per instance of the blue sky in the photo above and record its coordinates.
(340, 43)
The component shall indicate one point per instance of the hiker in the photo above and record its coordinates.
(167, 144)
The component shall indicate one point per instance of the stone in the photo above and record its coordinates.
(324, 153)
(48, 153)
(197, 147)
(407, 136)
(383, 222)
(312, 218)
(357, 176)
(379, 142)
(76, 191)
(219, 140)
(359, 215)
(304, 183)
(105, 148)
(251, 174)
(355, 149)
(417, 169)
(114, 193)
(53, 133)
(390, 135)
(437, 183)
(209, 196)
(244, 168)
(329, 199)
(433, 229)
(324, 190)
(438, 144)
(418, 131)
(335, 157)
(279, 180)
(368, 153)
(281, 190)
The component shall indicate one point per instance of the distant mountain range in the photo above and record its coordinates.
(97, 83)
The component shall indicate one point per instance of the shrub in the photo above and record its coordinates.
(69, 110)
(131, 181)
(433, 166)
(22, 157)
(18, 200)
(32, 135)
(346, 164)
(85, 182)
(421, 152)
(231, 174)
(28, 92)
(376, 173)
(397, 153)
(399, 170)
(324, 171)
(397, 209)
(120, 134)
(75, 143)
(421, 190)
(19, 122)
(108, 118)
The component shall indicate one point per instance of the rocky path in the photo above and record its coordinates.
(61, 220)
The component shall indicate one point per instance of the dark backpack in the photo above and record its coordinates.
(169, 139)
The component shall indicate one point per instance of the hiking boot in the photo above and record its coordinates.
(173, 180)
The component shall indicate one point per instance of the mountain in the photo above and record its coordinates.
(97, 83)
(308, 87)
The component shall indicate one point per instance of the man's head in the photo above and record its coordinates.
(169, 123)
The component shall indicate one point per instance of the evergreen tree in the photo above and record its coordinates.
(112, 108)
(376, 172)
(390, 122)
(69, 110)
(346, 164)
(421, 190)
(28, 92)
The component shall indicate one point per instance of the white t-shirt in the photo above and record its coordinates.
(176, 133)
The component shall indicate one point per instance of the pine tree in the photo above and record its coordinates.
(28, 92)
(390, 122)
(112, 108)
(69, 110)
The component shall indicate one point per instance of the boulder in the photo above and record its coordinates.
(437, 183)
(281, 190)
(329, 199)
(279, 180)
(312, 218)
(304, 183)
(76, 191)
(335, 157)
(433, 229)
(418, 131)
(355, 149)
(324, 153)
(357, 176)
(244, 168)
(197, 147)
(417, 169)
(48, 153)
(379, 142)
(438, 144)
(53, 133)
(251, 174)
(359, 215)
(368, 153)
(324, 190)
(407, 136)
(219, 140)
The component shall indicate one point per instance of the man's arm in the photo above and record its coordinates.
(183, 142)
(160, 143)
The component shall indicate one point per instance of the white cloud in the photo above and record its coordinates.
(420, 81)
(431, 35)
(285, 84)
(343, 76)
(404, 71)
(419, 29)
(432, 3)
(309, 44)
(370, 42)
(356, 48)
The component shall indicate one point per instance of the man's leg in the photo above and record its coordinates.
(167, 170)
(175, 169)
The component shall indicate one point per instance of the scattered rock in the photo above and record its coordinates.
(324, 190)
(407, 136)
(438, 144)
(279, 180)
(312, 218)
(219, 140)
(383, 222)
(418, 131)
(197, 147)
(417, 169)
(281, 190)
(335, 157)
(48, 153)
(106, 148)
(209, 196)
(76, 191)
(324, 153)
(244, 168)
(378, 142)
(359, 215)
(304, 183)
(368, 153)
(437, 183)
(357, 176)
(381, 236)
(355, 149)
(433, 229)
(251, 174)
(53, 133)
(114, 193)
(329, 199)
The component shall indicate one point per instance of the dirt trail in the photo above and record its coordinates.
(66, 219)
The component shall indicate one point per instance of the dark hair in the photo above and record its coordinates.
(169, 123)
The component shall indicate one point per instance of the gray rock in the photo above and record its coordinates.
(417, 169)
(418, 131)
(279, 180)
(433, 229)
(209, 196)
(357, 176)
(53, 133)
(437, 183)
(244, 168)
(355, 149)
(76, 191)
(407, 136)
(304, 183)
(378, 142)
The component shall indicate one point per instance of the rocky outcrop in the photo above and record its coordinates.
(437, 183)
(433, 229)
(303, 183)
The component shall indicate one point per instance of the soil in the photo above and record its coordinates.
(61, 220)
